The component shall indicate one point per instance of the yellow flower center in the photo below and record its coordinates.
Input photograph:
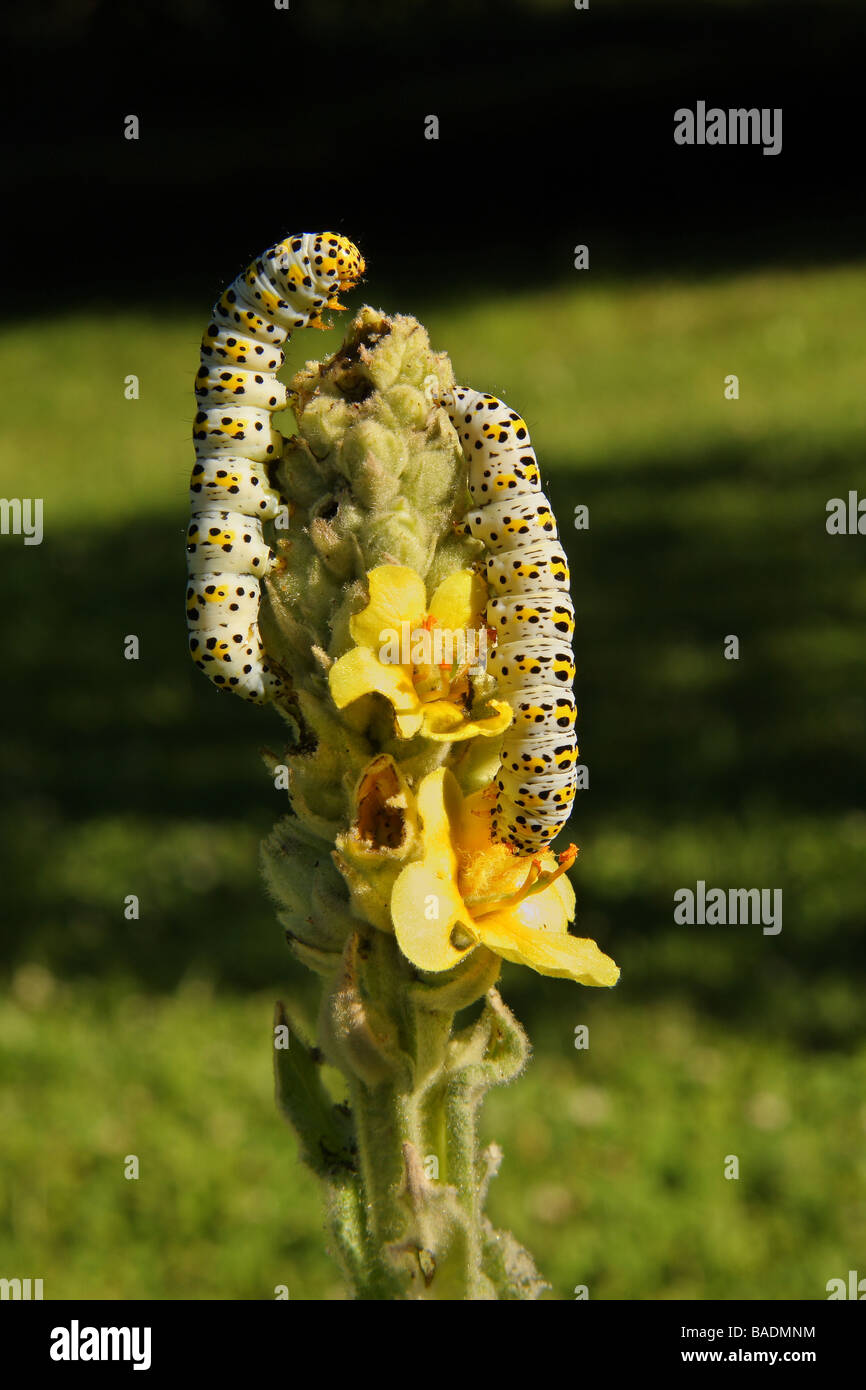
(419, 655)
(536, 881)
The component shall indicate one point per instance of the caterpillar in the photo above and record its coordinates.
(237, 392)
(531, 613)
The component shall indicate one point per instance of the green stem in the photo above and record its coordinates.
(406, 1181)
(417, 1158)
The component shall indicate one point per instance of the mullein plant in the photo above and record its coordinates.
(386, 873)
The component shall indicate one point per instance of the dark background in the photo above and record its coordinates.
(552, 121)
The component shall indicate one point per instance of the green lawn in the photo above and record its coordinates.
(151, 1037)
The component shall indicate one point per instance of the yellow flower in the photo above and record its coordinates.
(397, 625)
(468, 890)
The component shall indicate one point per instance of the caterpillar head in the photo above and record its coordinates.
(344, 256)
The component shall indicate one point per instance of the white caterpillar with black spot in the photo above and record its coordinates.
(531, 612)
(231, 495)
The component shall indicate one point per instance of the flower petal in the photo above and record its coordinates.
(359, 673)
(425, 903)
(547, 950)
(425, 908)
(397, 595)
(446, 722)
(460, 600)
(438, 800)
(561, 888)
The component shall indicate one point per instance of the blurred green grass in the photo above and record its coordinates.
(150, 1037)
